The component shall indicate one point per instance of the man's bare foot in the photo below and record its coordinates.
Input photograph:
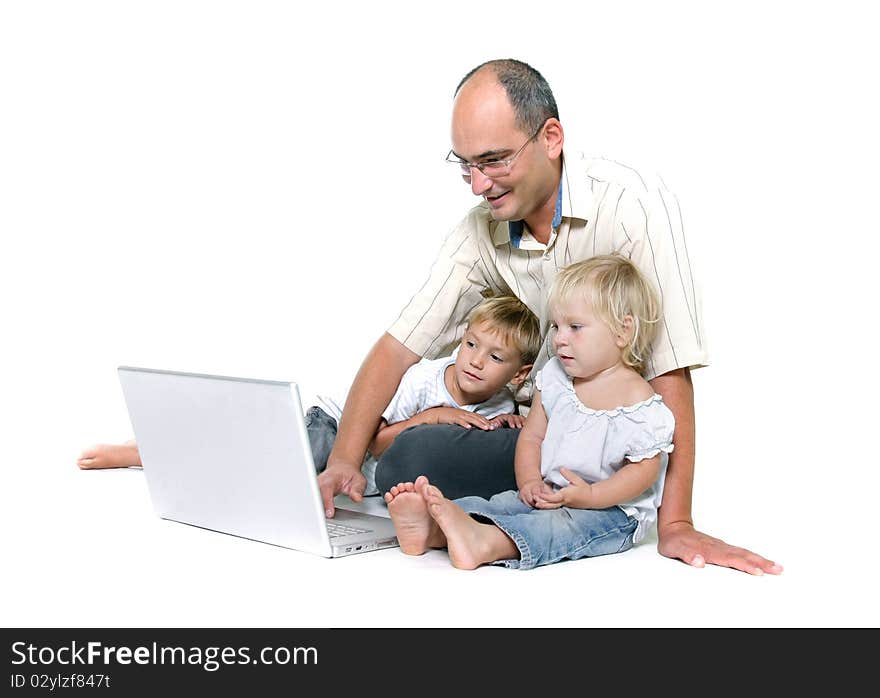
(470, 542)
(416, 530)
(109, 456)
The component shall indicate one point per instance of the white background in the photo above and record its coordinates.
(174, 177)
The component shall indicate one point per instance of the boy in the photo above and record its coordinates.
(500, 344)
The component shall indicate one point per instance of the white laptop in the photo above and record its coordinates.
(232, 455)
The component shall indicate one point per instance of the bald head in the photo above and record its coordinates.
(504, 111)
(525, 89)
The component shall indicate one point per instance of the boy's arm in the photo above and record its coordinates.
(383, 438)
(434, 415)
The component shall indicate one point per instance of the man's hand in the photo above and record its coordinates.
(514, 421)
(454, 415)
(342, 479)
(680, 540)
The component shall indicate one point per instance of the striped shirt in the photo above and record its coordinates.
(605, 207)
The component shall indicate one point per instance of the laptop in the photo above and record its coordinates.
(232, 455)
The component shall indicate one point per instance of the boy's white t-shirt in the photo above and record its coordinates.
(422, 387)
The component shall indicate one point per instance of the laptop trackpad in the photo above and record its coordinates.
(369, 505)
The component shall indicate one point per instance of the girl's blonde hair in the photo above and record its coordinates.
(615, 288)
(512, 319)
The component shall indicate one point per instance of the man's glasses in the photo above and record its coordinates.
(490, 168)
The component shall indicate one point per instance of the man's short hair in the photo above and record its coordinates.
(529, 93)
(511, 318)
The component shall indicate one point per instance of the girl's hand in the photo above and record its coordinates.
(514, 421)
(577, 495)
(532, 490)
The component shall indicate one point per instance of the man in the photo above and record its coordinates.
(541, 210)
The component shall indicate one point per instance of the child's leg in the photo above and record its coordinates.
(470, 542)
(545, 536)
(321, 428)
(445, 454)
(109, 456)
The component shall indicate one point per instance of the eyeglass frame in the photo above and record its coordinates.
(508, 162)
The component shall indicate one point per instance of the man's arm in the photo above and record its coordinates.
(372, 390)
(675, 525)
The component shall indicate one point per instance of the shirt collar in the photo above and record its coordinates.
(570, 203)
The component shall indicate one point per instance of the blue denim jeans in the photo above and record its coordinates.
(321, 428)
(545, 536)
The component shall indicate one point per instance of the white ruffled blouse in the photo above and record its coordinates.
(597, 443)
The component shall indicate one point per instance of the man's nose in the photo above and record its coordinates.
(477, 360)
(480, 183)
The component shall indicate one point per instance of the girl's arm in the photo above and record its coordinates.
(626, 484)
(527, 461)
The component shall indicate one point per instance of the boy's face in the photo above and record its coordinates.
(486, 363)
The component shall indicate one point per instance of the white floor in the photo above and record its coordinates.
(85, 549)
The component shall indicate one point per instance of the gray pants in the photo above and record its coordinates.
(461, 462)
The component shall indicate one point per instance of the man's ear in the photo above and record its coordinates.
(521, 374)
(553, 138)
(624, 337)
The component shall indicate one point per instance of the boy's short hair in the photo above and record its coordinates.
(615, 288)
(512, 319)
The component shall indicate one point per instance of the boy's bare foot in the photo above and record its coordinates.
(416, 530)
(470, 542)
(109, 456)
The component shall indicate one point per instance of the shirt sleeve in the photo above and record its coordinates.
(500, 403)
(650, 222)
(434, 319)
(539, 380)
(410, 395)
(653, 427)
(549, 381)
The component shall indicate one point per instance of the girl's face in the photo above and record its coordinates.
(585, 345)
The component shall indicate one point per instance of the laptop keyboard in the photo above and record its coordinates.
(337, 529)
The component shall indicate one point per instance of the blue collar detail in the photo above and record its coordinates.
(516, 228)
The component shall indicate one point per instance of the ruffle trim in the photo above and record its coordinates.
(656, 397)
(649, 454)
